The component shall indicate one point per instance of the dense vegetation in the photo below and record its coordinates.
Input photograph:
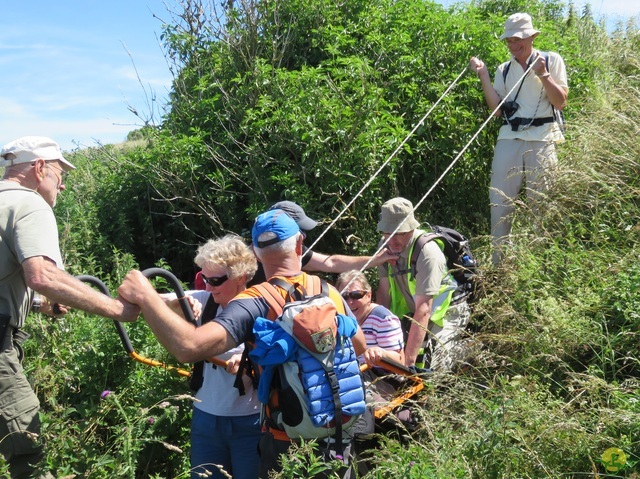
(305, 101)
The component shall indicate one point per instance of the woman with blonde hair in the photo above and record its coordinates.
(225, 426)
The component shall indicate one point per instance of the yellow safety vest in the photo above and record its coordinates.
(398, 304)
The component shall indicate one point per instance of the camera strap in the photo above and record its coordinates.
(506, 70)
(515, 126)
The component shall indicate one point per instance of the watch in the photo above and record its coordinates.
(36, 303)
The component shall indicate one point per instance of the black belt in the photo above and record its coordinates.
(516, 122)
(11, 337)
(6, 343)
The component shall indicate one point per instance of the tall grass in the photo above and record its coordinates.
(552, 380)
(554, 383)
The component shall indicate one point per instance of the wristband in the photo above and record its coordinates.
(544, 75)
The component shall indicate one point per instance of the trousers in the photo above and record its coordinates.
(516, 163)
(230, 442)
(20, 442)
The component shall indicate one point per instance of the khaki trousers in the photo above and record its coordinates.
(516, 162)
(19, 420)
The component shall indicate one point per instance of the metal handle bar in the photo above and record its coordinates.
(177, 288)
(218, 362)
(184, 304)
(122, 332)
(95, 282)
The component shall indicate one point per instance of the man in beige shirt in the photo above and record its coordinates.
(525, 150)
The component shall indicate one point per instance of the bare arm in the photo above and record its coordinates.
(185, 341)
(174, 303)
(556, 94)
(338, 263)
(418, 329)
(374, 354)
(490, 94)
(44, 277)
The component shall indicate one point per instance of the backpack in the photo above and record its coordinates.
(311, 386)
(557, 114)
(460, 261)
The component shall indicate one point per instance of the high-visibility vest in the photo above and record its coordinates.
(398, 304)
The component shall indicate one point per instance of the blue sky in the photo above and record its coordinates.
(71, 69)
(68, 68)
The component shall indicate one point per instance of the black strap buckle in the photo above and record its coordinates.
(527, 122)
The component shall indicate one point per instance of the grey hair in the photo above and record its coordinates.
(353, 276)
(285, 246)
(12, 170)
(229, 252)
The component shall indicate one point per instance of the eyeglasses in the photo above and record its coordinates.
(354, 295)
(60, 173)
(215, 281)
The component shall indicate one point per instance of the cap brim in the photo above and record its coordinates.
(306, 223)
(66, 163)
(518, 34)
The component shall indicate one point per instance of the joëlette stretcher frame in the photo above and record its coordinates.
(406, 392)
(122, 332)
(386, 364)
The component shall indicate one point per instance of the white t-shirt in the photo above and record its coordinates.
(217, 395)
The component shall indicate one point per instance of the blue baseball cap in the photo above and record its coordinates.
(274, 221)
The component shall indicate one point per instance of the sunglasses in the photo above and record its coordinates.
(214, 281)
(354, 294)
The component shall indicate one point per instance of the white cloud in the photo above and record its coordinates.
(84, 129)
(613, 8)
(75, 79)
(70, 133)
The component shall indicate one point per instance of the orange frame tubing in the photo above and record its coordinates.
(387, 364)
(124, 337)
(400, 369)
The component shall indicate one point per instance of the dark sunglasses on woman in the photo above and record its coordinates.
(354, 294)
(214, 281)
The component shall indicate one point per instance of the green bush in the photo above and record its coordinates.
(305, 101)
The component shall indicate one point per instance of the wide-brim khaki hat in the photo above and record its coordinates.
(396, 215)
(32, 148)
(519, 25)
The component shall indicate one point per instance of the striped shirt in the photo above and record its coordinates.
(382, 328)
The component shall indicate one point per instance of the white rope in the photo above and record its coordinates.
(451, 165)
(395, 152)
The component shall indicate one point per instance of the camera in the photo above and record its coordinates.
(509, 108)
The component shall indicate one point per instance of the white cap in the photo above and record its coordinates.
(32, 148)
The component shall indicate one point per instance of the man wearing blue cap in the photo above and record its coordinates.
(325, 263)
(277, 243)
(312, 261)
